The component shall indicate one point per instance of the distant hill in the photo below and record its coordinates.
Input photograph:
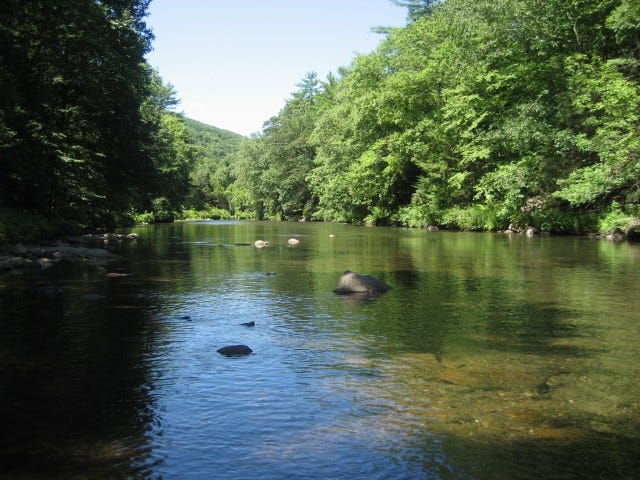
(212, 142)
(211, 169)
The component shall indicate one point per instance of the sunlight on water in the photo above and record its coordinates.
(491, 357)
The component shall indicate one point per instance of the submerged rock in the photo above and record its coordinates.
(118, 275)
(92, 297)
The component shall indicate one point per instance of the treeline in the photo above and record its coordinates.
(87, 132)
(477, 115)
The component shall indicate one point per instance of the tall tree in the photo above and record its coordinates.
(284, 157)
(73, 79)
(418, 8)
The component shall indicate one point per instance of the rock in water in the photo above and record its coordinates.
(92, 297)
(234, 350)
(351, 282)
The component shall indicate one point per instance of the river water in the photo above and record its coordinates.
(492, 357)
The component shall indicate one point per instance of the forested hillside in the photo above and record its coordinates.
(478, 114)
(211, 170)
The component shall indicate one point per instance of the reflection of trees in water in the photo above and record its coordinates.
(511, 369)
(74, 382)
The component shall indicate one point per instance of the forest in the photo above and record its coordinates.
(476, 115)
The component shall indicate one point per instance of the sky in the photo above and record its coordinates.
(233, 63)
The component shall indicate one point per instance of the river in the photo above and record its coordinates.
(492, 357)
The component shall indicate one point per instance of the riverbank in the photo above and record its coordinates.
(26, 240)
(75, 249)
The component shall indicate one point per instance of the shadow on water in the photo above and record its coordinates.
(74, 383)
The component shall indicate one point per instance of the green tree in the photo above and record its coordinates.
(211, 173)
(469, 107)
(271, 169)
(74, 140)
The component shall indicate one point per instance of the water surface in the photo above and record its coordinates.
(492, 357)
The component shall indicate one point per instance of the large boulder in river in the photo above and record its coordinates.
(234, 350)
(351, 282)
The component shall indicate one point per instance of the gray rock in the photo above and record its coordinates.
(92, 297)
(10, 262)
(234, 350)
(351, 282)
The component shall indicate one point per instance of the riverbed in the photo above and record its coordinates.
(491, 357)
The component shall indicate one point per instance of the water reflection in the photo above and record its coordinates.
(491, 357)
(74, 386)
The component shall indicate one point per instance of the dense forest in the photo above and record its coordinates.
(87, 136)
(478, 114)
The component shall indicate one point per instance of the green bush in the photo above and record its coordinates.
(416, 216)
(558, 220)
(378, 216)
(208, 212)
(244, 215)
(475, 217)
(24, 227)
(162, 212)
(614, 221)
(144, 217)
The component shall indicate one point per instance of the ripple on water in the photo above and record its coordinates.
(488, 359)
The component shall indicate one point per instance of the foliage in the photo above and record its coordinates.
(475, 115)
(614, 220)
(143, 218)
(270, 170)
(211, 173)
(475, 217)
(207, 213)
(162, 211)
(22, 227)
(87, 131)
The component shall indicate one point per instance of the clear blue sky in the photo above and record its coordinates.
(233, 63)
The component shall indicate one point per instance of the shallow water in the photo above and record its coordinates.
(492, 357)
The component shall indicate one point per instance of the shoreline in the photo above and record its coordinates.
(19, 257)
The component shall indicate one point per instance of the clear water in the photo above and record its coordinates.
(492, 357)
